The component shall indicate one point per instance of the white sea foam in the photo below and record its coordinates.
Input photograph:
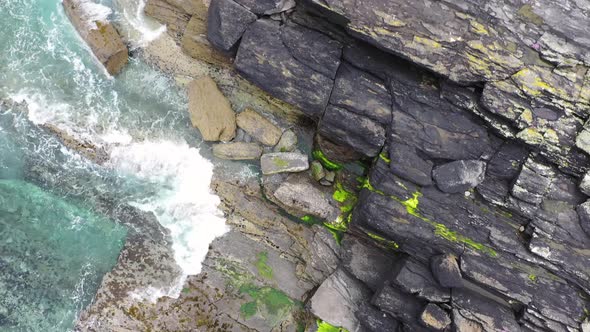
(185, 204)
(40, 110)
(139, 29)
(91, 12)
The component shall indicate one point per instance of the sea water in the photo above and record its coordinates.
(54, 244)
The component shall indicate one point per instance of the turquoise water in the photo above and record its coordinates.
(54, 245)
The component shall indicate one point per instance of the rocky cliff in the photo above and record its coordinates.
(472, 116)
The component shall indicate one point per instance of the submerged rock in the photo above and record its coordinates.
(258, 127)
(210, 111)
(237, 151)
(90, 20)
(283, 162)
(459, 176)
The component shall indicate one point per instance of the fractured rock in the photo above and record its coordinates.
(237, 151)
(398, 304)
(407, 164)
(585, 184)
(338, 298)
(459, 176)
(283, 162)
(194, 39)
(435, 318)
(287, 143)
(417, 279)
(210, 111)
(473, 312)
(226, 22)
(366, 263)
(102, 37)
(584, 214)
(375, 320)
(258, 127)
(446, 270)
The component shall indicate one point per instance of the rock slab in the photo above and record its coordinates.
(237, 151)
(283, 162)
(259, 127)
(210, 111)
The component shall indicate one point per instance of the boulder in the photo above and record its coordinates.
(363, 135)
(90, 20)
(210, 111)
(259, 127)
(506, 162)
(374, 320)
(317, 170)
(237, 151)
(366, 263)
(337, 300)
(287, 143)
(281, 74)
(434, 317)
(459, 176)
(406, 163)
(416, 278)
(283, 162)
(398, 304)
(446, 271)
(226, 22)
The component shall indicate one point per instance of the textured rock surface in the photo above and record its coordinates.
(102, 37)
(434, 317)
(210, 111)
(446, 271)
(459, 176)
(237, 151)
(283, 162)
(259, 127)
(226, 23)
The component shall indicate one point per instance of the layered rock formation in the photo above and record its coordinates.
(477, 113)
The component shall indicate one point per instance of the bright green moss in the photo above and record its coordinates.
(327, 163)
(327, 327)
(384, 157)
(264, 270)
(533, 278)
(389, 244)
(268, 301)
(248, 309)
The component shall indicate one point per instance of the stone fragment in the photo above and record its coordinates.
(360, 133)
(283, 162)
(374, 320)
(226, 22)
(368, 264)
(416, 278)
(330, 176)
(584, 214)
(407, 164)
(459, 176)
(585, 184)
(237, 151)
(258, 127)
(210, 111)
(398, 304)
(301, 196)
(102, 37)
(338, 298)
(435, 318)
(446, 270)
(317, 170)
(281, 74)
(287, 143)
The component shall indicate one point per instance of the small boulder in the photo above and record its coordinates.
(237, 151)
(585, 184)
(226, 23)
(90, 20)
(338, 298)
(259, 127)
(287, 143)
(317, 170)
(283, 162)
(210, 111)
(446, 271)
(459, 176)
(435, 318)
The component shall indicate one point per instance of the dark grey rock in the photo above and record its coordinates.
(584, 214)
(494, 190)
(446, 271)
(337, 300)
(531, 186)
(366, 263)
(361, 93)
(459, 176)
(260, 7)
(226, 22)
(434, 317)
(360, 133)
(506, 163)
(585, 184)
(398, 304)
(416, 278)
(283, 162)
(281, 74)
(374, 320)
(316, 50)
(473, 312)
(407, 164)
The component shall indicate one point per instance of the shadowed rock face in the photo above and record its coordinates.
(421, 90)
